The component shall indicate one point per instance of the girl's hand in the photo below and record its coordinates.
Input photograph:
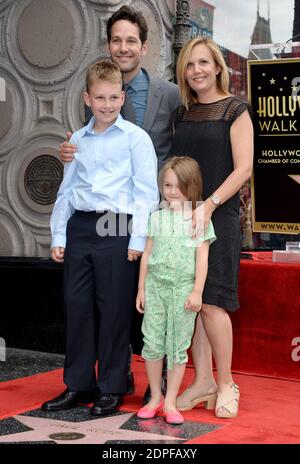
(194, 302)
(57, 254)
(140, 301)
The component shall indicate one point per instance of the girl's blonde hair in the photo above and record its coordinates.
(188, 95)
(189, 177)
(103, 70)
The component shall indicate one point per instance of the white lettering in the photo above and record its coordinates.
(296, 351)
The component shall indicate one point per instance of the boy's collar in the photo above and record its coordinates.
(120, 123)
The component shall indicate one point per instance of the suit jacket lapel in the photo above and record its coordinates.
(153, 102)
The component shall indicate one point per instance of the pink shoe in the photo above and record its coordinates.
(173, 417)
(149, 413)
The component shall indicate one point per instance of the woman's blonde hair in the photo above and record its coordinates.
(189, 177)
(103, 70)
(188, 95)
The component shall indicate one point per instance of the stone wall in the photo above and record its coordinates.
(45, 48)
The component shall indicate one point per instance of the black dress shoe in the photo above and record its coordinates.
(147, 394)
(130, 387)
(106, 403)
(69, 399)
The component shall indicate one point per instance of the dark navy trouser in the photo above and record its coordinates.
(99, 291)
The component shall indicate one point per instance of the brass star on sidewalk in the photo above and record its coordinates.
(96, 431)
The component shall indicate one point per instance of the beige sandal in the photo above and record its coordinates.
(227, 405)
(185, 401)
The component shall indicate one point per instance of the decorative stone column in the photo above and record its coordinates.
(182, 28)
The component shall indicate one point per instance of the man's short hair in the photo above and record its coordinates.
(103, 70)
(128, 14)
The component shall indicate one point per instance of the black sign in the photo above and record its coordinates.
(274, 91)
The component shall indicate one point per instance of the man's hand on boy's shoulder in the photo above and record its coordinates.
(67, 150)
(57, 254)
(133, 255)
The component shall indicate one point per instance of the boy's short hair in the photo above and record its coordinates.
(128, 14)
(189, 177)
(103, 70)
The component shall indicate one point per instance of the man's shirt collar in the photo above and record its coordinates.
(139, 82)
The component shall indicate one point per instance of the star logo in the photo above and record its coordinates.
(272, 81)
(295, 178)
(120, 428)
(98, 431)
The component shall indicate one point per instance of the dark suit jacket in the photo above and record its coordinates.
(163, 99)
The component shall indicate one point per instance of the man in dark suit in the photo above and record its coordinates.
(149, 103)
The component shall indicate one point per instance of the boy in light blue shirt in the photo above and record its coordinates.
(109, 188)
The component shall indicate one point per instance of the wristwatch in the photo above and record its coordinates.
(216, 200)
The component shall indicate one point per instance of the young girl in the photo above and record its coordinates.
(172, 276)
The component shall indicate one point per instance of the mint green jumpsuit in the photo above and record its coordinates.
(167, 326)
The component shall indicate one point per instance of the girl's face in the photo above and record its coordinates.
(201, 71)
(172, 192)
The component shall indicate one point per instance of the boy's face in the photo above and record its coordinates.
(105, 100)
(126, 48)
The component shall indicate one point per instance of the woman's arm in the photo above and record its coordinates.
(140, 299)
(241, 138)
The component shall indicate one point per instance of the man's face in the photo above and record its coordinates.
(126, 48)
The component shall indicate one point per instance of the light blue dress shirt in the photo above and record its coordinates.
(137, 90)
(114, 170)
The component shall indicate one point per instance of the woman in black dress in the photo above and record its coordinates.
(214, 128)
